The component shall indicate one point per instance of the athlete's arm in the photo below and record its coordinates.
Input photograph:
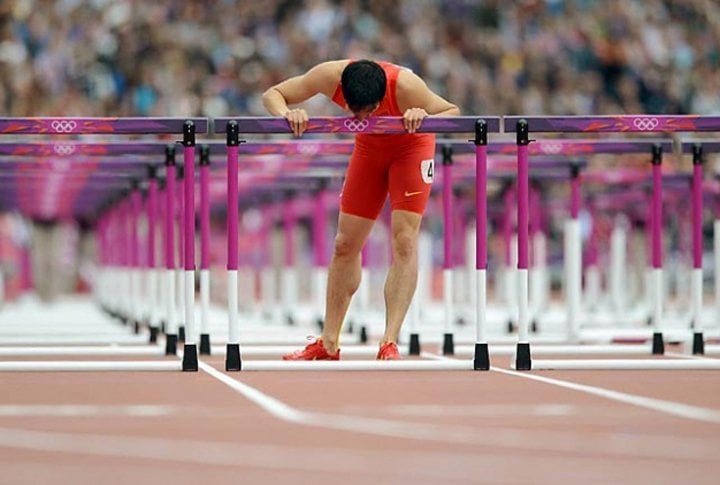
(417, 101)
(321, 79)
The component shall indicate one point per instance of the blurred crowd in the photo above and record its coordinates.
(495, 57)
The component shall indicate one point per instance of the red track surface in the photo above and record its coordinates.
(356, 427)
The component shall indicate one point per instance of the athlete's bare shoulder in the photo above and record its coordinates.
(326, 75)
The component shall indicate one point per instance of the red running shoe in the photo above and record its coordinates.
(313, 351)
(388, 351)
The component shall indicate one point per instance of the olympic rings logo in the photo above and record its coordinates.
(646, 124)
(309, 149)
(63, 126)
(551, 148)
(64, 149)
(356, 125)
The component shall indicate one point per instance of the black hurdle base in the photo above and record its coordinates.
(522, 357)
(190, 358)
(698, 347)
(658, 345)
(205, 344)
(363, 334)
(448, 344)
(181, 333)
(153, 335)
(136, 326)
(232, 358)
(171, 345)
(481, 361)
(414, 347)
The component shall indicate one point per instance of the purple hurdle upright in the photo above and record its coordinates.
(698, 346)
(190, 353)
(204, 250)
(171, 327)
(232, 356)
(573, 255)
(448, 219)
(320, 254)
(481, 360)
(152, 273)
(658, 345)
(289, 279)
(135, 271)
(522, 355)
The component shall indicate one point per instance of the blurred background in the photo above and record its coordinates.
(215, 58)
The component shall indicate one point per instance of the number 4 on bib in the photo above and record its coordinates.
(427, 170)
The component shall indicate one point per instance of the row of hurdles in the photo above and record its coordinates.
(109, 194)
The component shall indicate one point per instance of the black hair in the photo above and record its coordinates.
(363, 84)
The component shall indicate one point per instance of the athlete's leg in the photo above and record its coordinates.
(402, 276)
(343, 274)
(409, 183)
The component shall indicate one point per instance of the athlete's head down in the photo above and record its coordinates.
(363, 86)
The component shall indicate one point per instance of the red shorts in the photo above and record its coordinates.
(401, 165)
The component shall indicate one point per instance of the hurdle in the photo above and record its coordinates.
(125, 211)
(233, 127)
(600, 124)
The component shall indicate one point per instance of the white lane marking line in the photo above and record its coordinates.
(84, 410)
(268, 403)
(668, 407)
(603, 444)
(488, 410)
(258, 456)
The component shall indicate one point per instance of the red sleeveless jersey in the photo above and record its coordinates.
(388, 107)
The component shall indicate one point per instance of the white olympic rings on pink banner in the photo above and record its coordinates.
(551, 148)
(63, 126)
(64, 149)
(646, 124)
(356, 125)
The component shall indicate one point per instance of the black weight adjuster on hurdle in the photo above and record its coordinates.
(233, 362)
(481, 359)
(523, 360)
(190, 351)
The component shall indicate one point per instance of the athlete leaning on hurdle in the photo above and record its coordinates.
(400, 165)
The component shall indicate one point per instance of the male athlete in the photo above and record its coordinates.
(398, 165)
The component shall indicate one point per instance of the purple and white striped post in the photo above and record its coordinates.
(205, 250)
(289, 280)
(171, 327)
(448, 220)
(481, 360)
(658, 346)
(190, 353)
(232, 358)
(152, 272)
(135, 271)
(573, 261)
(698, 347)
(522, 356)
(320, 252)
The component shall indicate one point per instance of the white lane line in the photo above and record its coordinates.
(252, 455)
(599, 443)
(84, 410)
(668, 407)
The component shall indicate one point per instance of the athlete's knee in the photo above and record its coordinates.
(405, 246)
(346, 247)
